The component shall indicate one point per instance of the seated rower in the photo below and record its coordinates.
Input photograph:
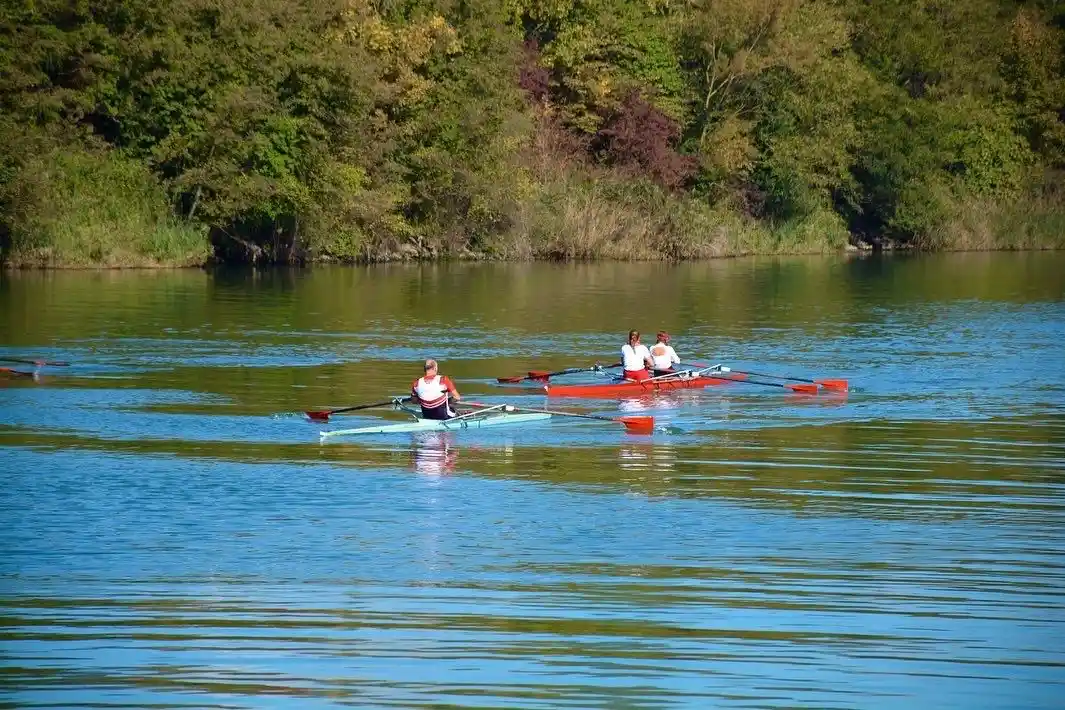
(663, 355)
(636, 358)
(433, 392)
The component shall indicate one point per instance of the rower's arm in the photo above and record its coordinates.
(451, 388)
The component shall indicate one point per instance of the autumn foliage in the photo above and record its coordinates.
(641, 140)
(158, 131)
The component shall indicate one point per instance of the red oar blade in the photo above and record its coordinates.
(839, 385)
(804, 389)
(509, 380)
(638, 425)
(539, 375)
(322, 416)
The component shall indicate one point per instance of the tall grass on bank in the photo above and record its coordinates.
(1035, 221)
(72, 207)
(562, 207)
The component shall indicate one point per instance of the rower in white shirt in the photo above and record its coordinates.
(636, 358)
(663, 356)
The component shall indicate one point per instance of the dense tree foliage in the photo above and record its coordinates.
(371, 129)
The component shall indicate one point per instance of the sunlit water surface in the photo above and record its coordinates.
(173, 533)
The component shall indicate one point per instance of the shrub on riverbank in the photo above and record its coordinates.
(1035, 221)
(70, 207)
(580, 212)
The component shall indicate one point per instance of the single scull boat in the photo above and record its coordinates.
(489, 416)
(489, 420)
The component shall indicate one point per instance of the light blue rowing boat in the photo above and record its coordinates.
(478, 420)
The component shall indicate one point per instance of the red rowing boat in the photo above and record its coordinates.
(636, 389)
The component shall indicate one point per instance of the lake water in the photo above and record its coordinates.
(173, 533)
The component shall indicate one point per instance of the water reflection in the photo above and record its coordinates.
(824, 398)
(665, 401)
(434, 453)
(637, 404)
(647, 457)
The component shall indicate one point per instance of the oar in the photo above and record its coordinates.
(634, 425)
(828, 384)
(804, 389)
(543, 375)
(54, 363)
(322, 415)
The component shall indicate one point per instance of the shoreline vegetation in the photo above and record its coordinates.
(165, 133)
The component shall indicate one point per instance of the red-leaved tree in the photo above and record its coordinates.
(639, 139)
(534, 77)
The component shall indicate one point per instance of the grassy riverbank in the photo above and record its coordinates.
(170, 132)
(98, 210)
(581, 225)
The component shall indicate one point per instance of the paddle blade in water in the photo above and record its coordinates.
(509, 379)
(539, 375)
(804, 389)
(839, 385)
(322, 416)
(638, 425)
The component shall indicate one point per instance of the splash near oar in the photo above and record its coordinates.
(322, 415)
(542, 375)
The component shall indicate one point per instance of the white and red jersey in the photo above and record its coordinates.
(432, 391)
(633, 359)
(664, 356)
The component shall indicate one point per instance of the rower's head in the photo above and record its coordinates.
(634, 337)
(663, 337)
(430, 367)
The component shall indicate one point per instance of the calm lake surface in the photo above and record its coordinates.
(173, 534)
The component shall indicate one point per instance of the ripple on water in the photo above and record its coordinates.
(175, 536)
